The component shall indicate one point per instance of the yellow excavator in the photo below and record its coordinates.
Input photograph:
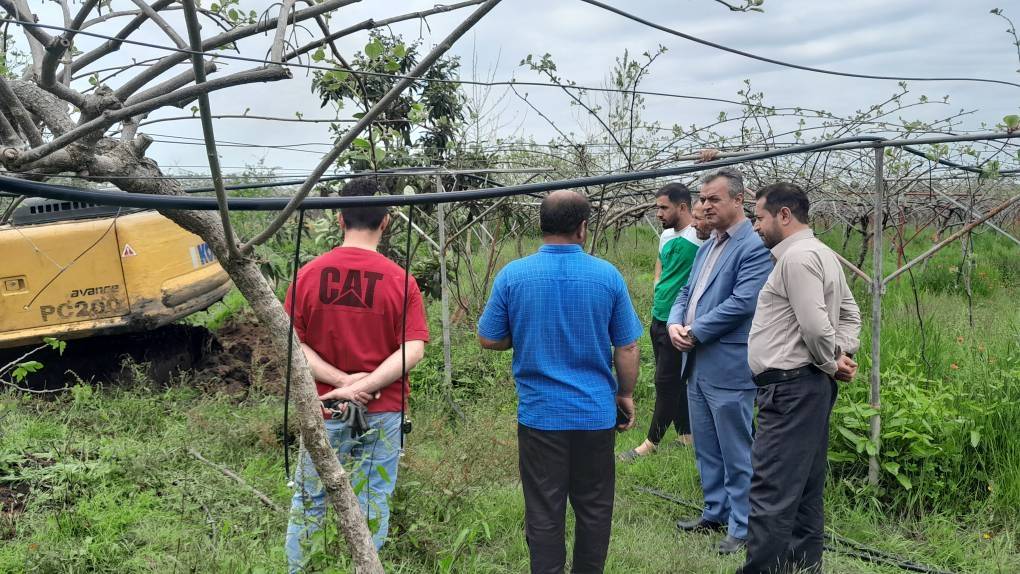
(71, 270)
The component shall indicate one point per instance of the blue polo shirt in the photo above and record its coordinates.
(564, 310)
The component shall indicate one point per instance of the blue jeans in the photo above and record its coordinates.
(363, 457)
(721, 422)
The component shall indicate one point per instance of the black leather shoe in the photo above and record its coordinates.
(699, 525)
(731, 545)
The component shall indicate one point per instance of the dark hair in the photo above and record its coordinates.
(366, 218)
(676, 193)
(734, 180)
(788, 195)
(562, 213)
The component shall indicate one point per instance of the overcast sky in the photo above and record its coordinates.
(907, 37)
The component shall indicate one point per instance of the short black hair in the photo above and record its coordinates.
(365, 218)
(676, 193)
(562, 213)
(788, 195)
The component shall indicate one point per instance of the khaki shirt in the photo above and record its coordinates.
(806, 313)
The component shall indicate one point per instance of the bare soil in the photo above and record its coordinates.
(231, 360)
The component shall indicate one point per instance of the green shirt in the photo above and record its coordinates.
(676, 254)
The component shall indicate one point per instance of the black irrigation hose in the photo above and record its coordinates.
(62, 192)
(703, 42)
(404, 383)
(854, 550)
(117, 198)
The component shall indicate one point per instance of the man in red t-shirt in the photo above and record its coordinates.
(349, 316)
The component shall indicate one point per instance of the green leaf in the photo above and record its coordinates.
(975, 438)
(374, 49)
(399, 50)
(891, 467)
(392, 66)
(361, 143)
(214, 7)
(23, 369)
(383, 473)
(904, 481)
(871, 447)
(232, 14)
(1012, 122)
(850, 435)
(319, 55)
(835, 456)
(55, 344)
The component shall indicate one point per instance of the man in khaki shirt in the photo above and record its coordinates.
(803, 336)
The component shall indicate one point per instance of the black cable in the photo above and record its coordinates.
(511, 82)
(515, 82)
(290, 341)
(403, 325)
(855, 550)
(68, 193)
(703, 42)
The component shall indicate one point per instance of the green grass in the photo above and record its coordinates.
(113, 488)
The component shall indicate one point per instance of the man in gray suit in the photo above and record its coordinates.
(710, 320)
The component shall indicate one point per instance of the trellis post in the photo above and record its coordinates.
(876, 315)
(444, 295)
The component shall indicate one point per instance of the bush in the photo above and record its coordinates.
(930, 437)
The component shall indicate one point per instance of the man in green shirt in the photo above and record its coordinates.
(678, 245)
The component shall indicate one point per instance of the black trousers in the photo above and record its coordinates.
(557, 466)
(786, 525)
(670, 386)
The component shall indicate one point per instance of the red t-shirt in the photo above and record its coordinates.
(350, 310)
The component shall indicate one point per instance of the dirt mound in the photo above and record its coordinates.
(242, 356)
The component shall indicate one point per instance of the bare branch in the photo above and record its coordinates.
(198, 64)
(8, 135)
(286, 7)
(232, 475)
(159, 21)
(371, 24)
(19, 114)
(179, 81)
(55, 50)
(33, 391)
(129, 127)
(327, 161)
(38, 39)
(110, 117)
(252, 117)
(117, 69)
(223, 39)
(749, 6)
(111, 46)
(108, 16)
(43, 105)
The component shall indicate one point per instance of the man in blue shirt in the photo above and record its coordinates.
(569, 319)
